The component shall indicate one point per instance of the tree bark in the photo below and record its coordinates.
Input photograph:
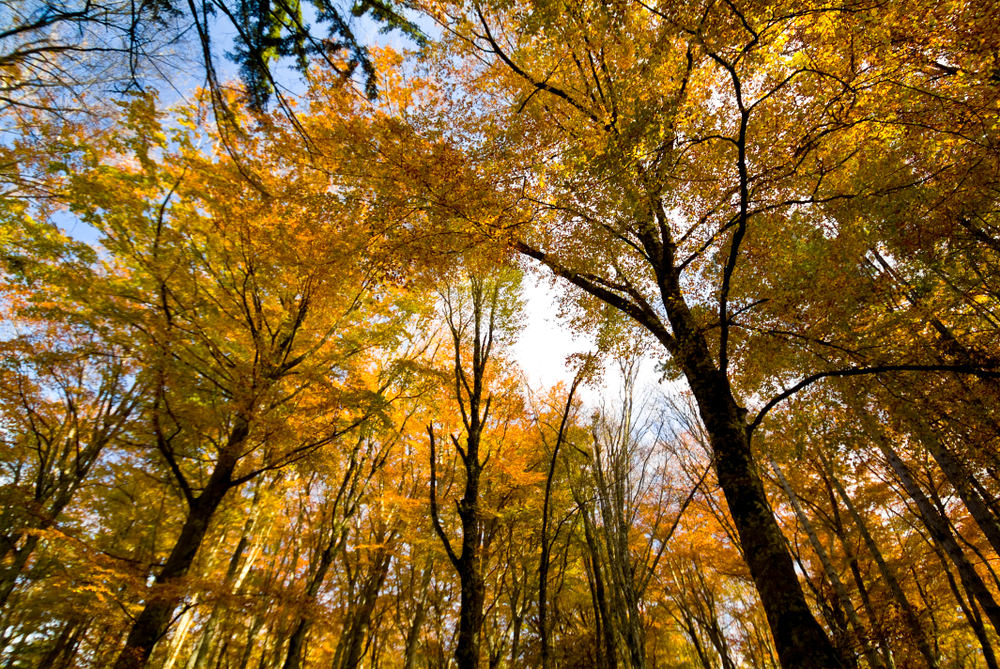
(473, 594)
(296, 642)
(166, 594)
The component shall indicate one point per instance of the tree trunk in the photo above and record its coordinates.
(234, 579)
(708, 617)
(941, 532)
(692, 632)
(248, 647)
(473, 596)
(413, 637)
(353, 640)
(477, 327)
(607, 651)
(515, 641)
(296, 642)
(971, 613)
(543, 560)
(64, 646)
(166, 594)
(800, 641)
(888, 575)
(13, 569)
(859, 583)
(961, 480)
(828, 568)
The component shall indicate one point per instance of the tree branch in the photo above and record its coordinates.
(641, 312)
(860, 371)
(435, 518)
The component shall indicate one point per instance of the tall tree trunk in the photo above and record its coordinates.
(888, 575)
(517, 625)
(971, 612)
(938, 503)
(692, 632)
(962, 481)
(543, 559)
(467, 563)
(607, 648)
(344, 504)
(64, 646)
(831, 611)
(543, 569)
(941, 533)
(353, 639)
(166, 594)
(624, 600)
(473, 594)
(881, 638)
(480, 321)
(296, 642)
(417, 622)
(179, 639)
(829, 570)
(234, 580)
(708, 617)
(255, 626)
(800, 641)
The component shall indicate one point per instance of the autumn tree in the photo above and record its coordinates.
(547, 537)
(68, 393)
(479, 316)
(362, 520)
(61, 412)
(693, 167)
(240, 304)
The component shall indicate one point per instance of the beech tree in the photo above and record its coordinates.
(479, 317)
(243, 326)
(656, 155)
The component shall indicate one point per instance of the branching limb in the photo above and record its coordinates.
(971, 370)
(435, 517)
(640, 311)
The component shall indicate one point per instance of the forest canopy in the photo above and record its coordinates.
(263, 277)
